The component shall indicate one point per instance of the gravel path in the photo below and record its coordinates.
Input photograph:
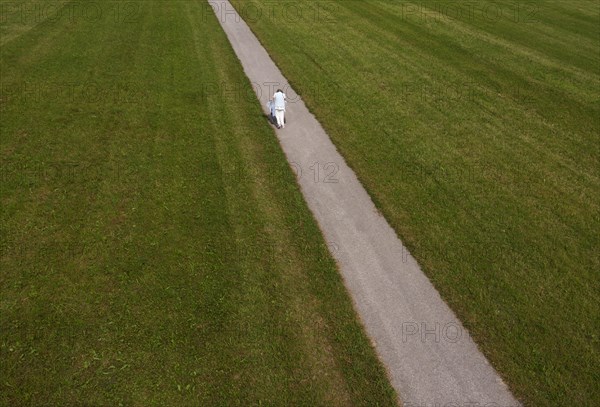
(430, 358)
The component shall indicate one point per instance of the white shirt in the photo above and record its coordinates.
(279, 100)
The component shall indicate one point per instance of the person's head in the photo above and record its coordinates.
(279, 91)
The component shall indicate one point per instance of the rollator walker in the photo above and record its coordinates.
(272, 118)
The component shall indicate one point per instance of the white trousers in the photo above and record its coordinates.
(280, 116)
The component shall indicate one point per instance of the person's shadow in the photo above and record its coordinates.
(272, 119)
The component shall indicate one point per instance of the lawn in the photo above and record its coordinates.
(155, 246)
(474, 127)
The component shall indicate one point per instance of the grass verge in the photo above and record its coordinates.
(474, 127)
(156, 249)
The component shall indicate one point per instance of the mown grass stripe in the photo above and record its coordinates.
(155, 245)
(495, 190)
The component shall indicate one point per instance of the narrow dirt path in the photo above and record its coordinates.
(429, 355)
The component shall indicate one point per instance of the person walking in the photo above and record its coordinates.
(279, 100)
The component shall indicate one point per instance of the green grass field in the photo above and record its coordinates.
(155, 247)
(476, 133)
